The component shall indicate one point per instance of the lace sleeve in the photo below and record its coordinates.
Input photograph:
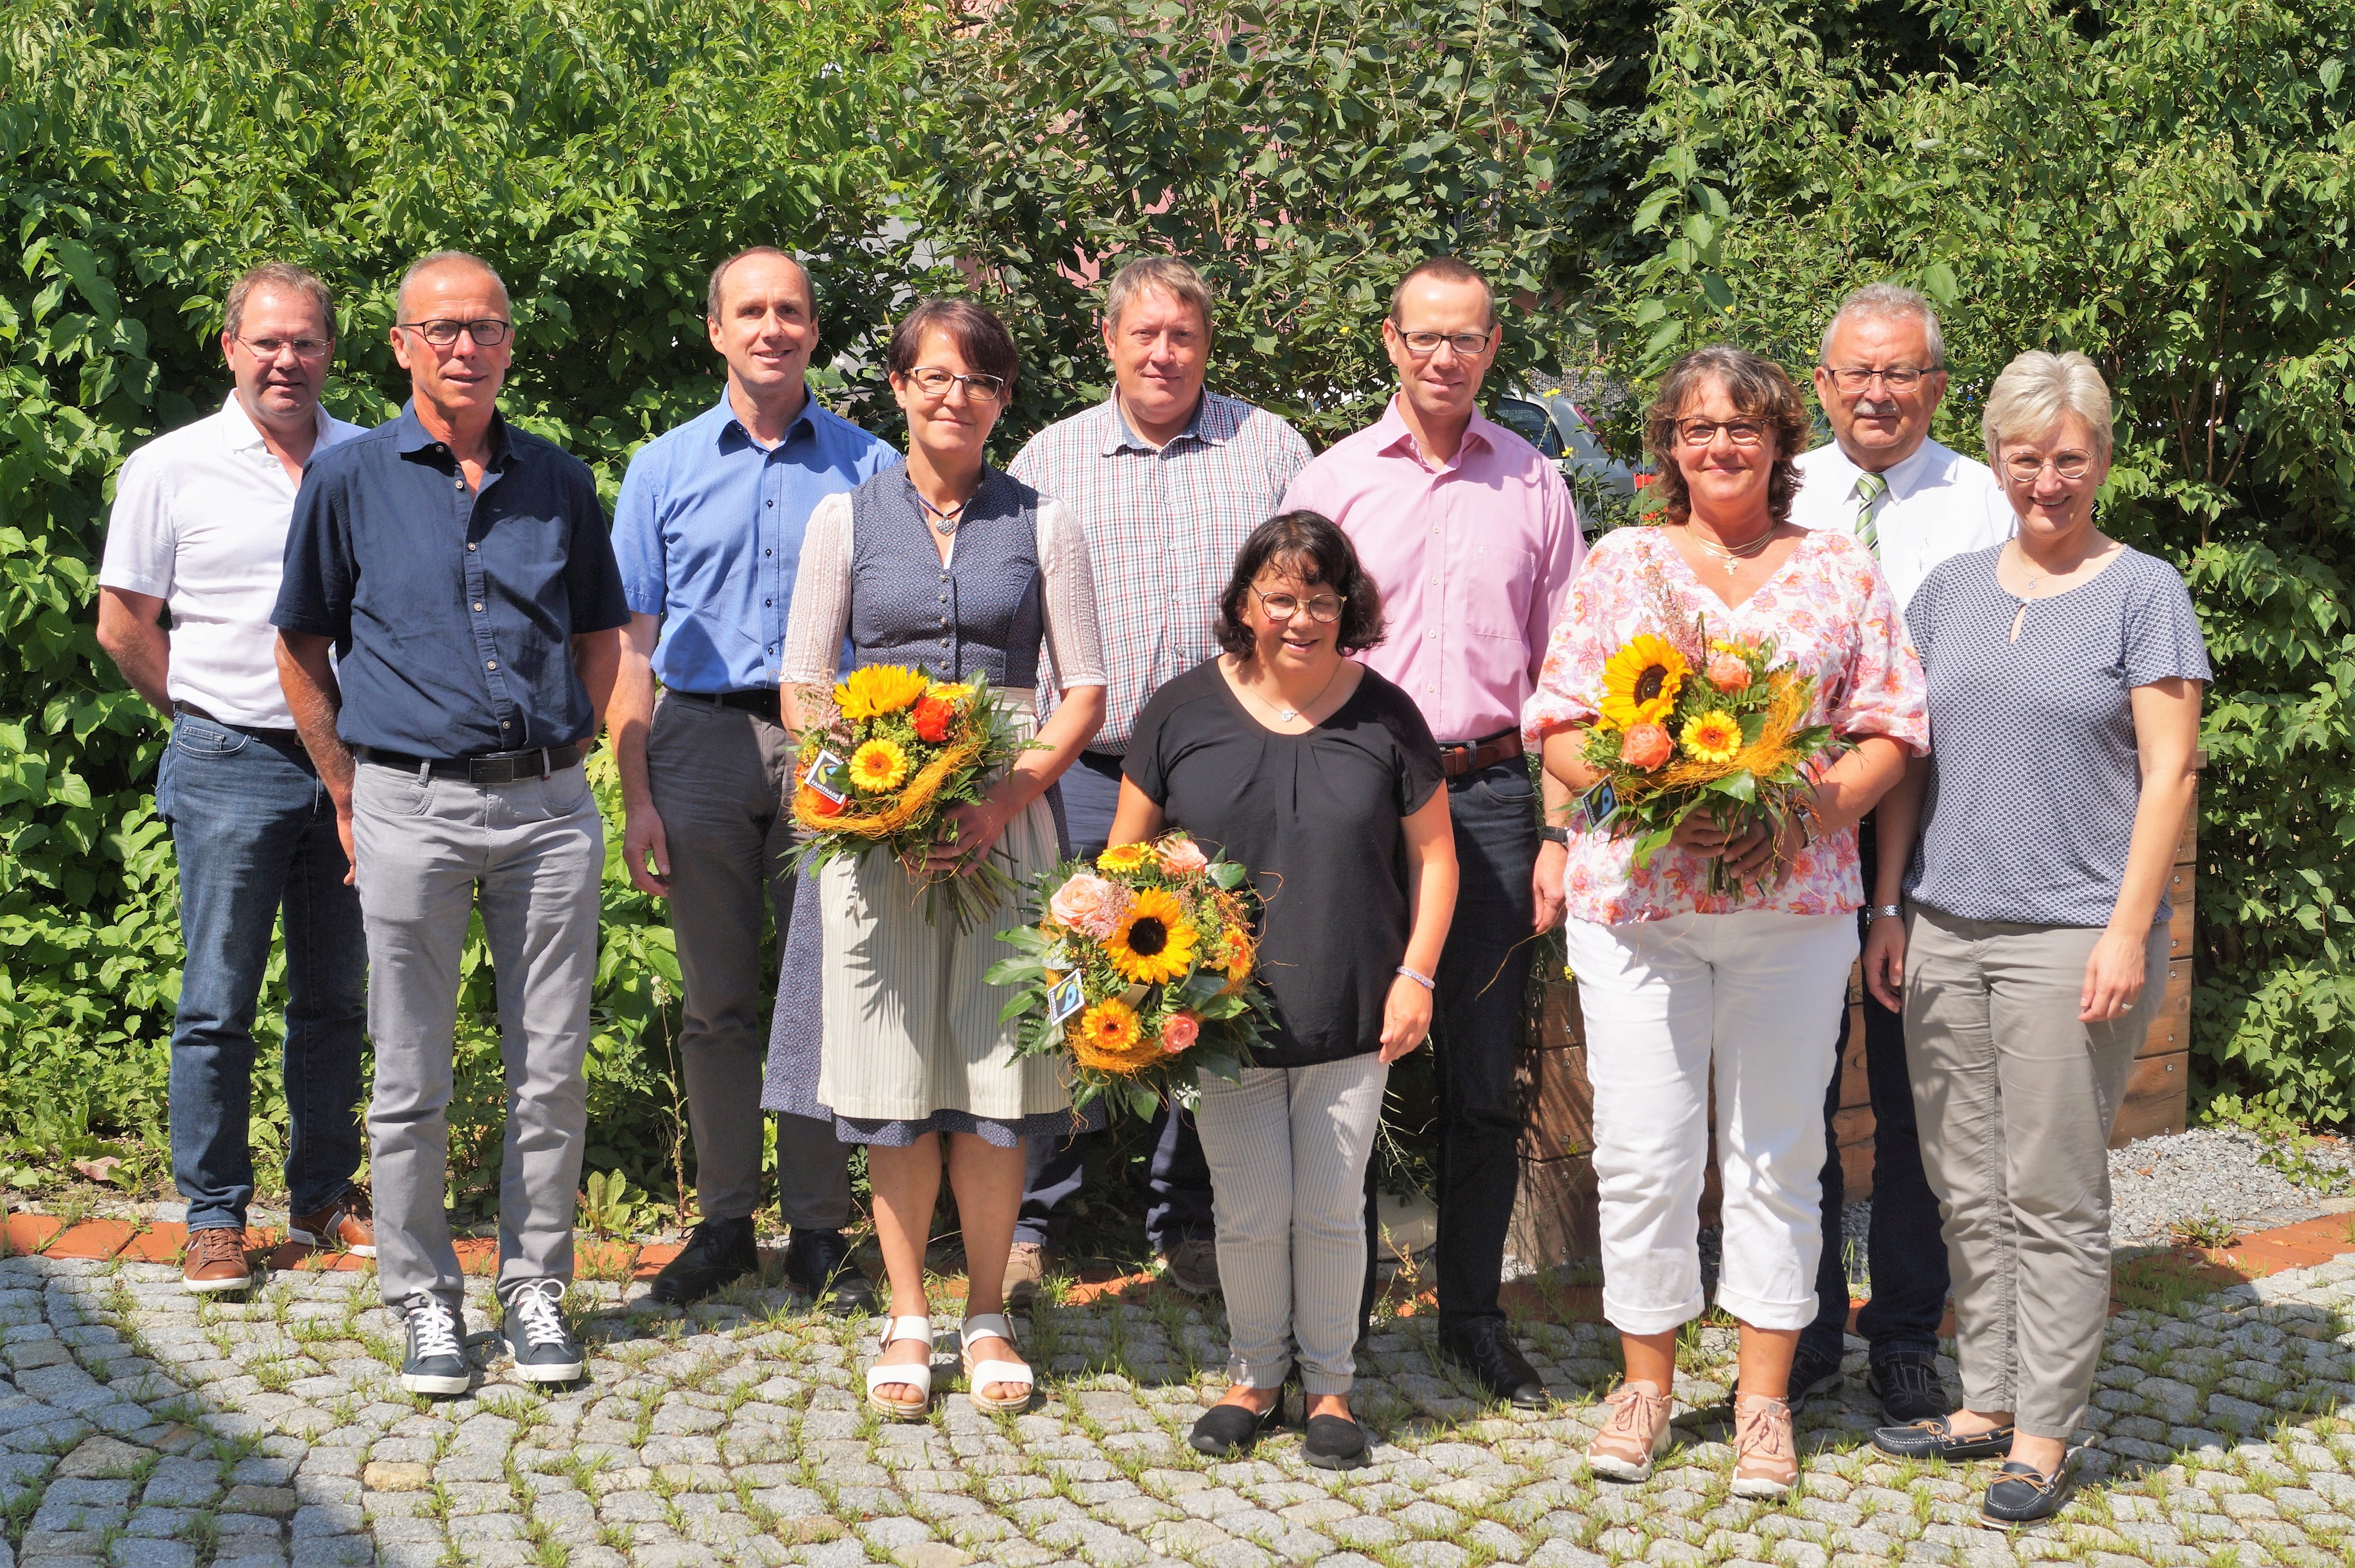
(821, 611)
(1074, 643)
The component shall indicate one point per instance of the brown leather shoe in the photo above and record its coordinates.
(1027, 1263)
(347, 1225)
(216, 1261)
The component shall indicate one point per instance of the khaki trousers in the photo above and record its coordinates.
(2014, 1098)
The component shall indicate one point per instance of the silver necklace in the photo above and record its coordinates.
(1289, 714)
(1732, 555)
(945, 520)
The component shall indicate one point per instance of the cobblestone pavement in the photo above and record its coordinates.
(141, 1428)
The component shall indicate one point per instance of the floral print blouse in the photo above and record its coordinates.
(1829, 610)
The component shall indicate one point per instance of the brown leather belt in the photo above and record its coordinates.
(1460, 757)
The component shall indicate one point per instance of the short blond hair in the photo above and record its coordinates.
(2036, 390)
(1173, 275)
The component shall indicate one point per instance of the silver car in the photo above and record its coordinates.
(1560, 430)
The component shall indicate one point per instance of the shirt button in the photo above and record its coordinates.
(469, 544)
(490, 663)
(457, 483)
(503, 723)
(768, 503)
(768, 552)
(478, 606)
(944, 598)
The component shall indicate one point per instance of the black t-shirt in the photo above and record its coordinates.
(1318, 820)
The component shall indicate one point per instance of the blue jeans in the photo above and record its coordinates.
(255, 832)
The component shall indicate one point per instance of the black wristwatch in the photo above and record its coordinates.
(1552, 834)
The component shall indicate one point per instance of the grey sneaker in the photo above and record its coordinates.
(1194, 1265)
(533, 1332)
(435, 1356)
(1027, 1263)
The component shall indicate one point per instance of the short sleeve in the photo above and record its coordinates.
(140, 543)
(314, 590)
(2162, 629)
(1419, 774)
(1145, 764)
(592, 579)
(638, 536)
(1569, 685)
(1882, 689)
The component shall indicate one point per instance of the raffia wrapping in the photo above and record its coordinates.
(901, 809)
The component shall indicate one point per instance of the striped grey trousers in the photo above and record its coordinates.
(1288, 1151)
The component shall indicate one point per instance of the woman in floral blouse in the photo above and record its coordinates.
(1674, 980)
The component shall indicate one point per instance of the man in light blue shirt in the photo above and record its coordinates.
(708, 533)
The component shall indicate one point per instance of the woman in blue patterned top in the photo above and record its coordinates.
(2065, 672)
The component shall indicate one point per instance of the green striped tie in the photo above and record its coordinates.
(1870, 489)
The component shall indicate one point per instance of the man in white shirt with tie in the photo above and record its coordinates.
(1914, 504)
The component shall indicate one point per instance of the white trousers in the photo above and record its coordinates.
(1756, 994)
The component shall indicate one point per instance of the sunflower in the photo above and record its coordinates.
(877, 765)
(1125, 856)
(1714, 737)
(951, 692)
(1108, 1037)
(878, 689)
(1640, 683)
(1154, 941)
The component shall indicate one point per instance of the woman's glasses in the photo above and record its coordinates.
(1700, 432)
(1324, 609)
(2024, 469)
(935, 382)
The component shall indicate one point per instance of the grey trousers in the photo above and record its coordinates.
(2014, 1099)
(428, 853)
(1288, 1151)
(719, 777)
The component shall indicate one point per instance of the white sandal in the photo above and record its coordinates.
(981, 1374)
(915, 1374)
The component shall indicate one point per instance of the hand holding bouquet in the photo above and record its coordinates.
(1140, 971)
(1692, 723)
(882, 765)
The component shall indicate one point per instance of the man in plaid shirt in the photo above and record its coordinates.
(1168, 480)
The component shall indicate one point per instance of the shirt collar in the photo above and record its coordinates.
(804, 420)
(409, 435)
(1396, 437)
(1904, 478)
(1121, 437)
(244, 435)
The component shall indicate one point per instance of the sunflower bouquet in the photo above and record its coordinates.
(881, 764)
(1139, 970)
(1691, 723)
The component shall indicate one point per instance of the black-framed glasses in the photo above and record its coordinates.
(1324, 609)
(304, 348)
(1896, 378)
(1741, 432)
(1465, 343)
(935, 382)
(487, 331)
(2025, 470)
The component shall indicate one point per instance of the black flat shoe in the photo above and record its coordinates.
(1908, 1387)
(2023, 1495)
(1227, 1430)
(818, 1265)
(1813, 1375)
(718, 1254)
(1932, 1438)
(1485, 1349)
(1336, 1443)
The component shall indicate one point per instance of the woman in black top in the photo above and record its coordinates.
(1322, 778)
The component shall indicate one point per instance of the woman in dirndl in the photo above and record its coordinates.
(884, 1025)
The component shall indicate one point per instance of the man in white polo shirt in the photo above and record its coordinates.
(1913, 503)
(199, 526)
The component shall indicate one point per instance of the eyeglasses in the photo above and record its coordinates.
(2024, 469)
(271, 348)
(1465, 343)
(1324, 610)
(1896, 378)
(488, 332)
(935, 382)
(1701, 433)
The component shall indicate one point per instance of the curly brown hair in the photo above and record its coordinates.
(1757, 387)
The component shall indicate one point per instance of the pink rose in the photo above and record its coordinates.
(1729, 674)
(1179, 1031)
(1645, 746)
(1089, 905)
(1184, 857)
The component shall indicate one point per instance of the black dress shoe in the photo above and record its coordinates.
(1227, 1430)
(817, 1264)
(718, 1252)
(1336, 1443)
(2024, 1495)
(1934, 1438)
(1485, 1349)
(1908, 1387)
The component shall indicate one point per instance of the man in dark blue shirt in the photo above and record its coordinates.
(708, 533)
(460, 568)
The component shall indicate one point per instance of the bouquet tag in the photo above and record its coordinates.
(821, 770)
(1600, 804)
(1067, 996)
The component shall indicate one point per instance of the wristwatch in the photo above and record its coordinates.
(1552, 834)
(1887, 912)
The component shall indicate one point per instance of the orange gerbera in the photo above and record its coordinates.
(1714, 737)
(1109, 1038)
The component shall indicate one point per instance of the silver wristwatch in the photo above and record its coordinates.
(1886, 911)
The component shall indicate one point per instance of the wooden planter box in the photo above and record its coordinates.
(1554, 1221)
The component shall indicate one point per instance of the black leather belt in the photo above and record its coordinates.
(489, 768)
(1460, 757)
(260, 731)
(759, 699)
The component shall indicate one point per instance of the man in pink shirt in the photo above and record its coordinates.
(1471, 535)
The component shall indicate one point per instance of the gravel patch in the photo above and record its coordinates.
(2219, 1172)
